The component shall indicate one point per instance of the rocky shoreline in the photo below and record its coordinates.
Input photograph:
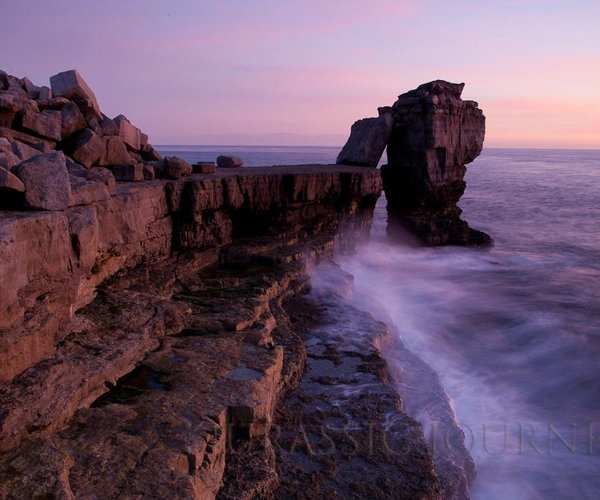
(160, 334)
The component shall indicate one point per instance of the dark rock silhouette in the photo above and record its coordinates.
(434, 135)
(367, 141)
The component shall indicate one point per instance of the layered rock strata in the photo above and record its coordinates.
(434, 134)
(153, 337)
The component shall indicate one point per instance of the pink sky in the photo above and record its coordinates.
(301, 72)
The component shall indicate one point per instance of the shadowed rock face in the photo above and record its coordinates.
(367, 141)
(434, 135)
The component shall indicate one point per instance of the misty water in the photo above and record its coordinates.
(513, 332)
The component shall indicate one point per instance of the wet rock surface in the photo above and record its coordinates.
(341, 433)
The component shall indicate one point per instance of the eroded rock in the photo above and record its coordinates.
(129, 134)
(46, 181)
(70, 84)
(10, 182)
(175, 168)
(367, 141)
(46, 124)
(88, 148)
(72, 120)
(229, 161)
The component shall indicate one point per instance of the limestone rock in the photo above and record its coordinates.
(10, 182)
(129, 173)
(176, 168)
(45, 93)
(95, 174)
(148, 153)
(8, 160)
(54, 103)
(46, 181)
(85, 191)
(24, 151)
(88, 148)
(72, 120)
(367, 141)
(32, 90)
(5, 145)
(435, 134)
(229, 161)
(70, 84)
(46, 124)
(115, 152)
(204, 167)
(129, 134)
(431, 134)
(38, 143)
(149, 173)
(107, 127)
(8, 108)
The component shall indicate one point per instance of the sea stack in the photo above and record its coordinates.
(434, 135)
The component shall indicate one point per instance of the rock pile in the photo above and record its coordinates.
(430, 134)
(57, 149)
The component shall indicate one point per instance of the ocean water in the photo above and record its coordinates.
(513, 332)
(256, 156)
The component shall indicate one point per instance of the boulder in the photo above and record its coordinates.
(85, 191)
(14, 86)
(176, 168)
(70, 84)
(107, 127)
(32, 90)
(46, 124)
(115, 152)
(8, 108)
(11, 189)
(46, 181)
(149, 173)
(72, 120)
(367, 141)
(204, 167)
(24, 151)
(54, 103)
(129, 173)
(45, 93)
(88, 148)
(129, 134)
(5, 145)
(148, 153)
(8, 160)
(42, 145)
(10, 182)
(228, 161)
(96, 174)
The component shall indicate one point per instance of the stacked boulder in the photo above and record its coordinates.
(57, 149)
(430, 134)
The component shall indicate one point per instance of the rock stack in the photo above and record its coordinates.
(431, 134)
(57, 149)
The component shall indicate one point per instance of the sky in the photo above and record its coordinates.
(300, 72)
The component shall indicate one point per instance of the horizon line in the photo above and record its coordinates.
(340, 147)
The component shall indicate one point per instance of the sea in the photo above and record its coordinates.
(513, 332)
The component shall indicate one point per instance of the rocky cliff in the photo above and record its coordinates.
(430, 134)
(157, 335)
